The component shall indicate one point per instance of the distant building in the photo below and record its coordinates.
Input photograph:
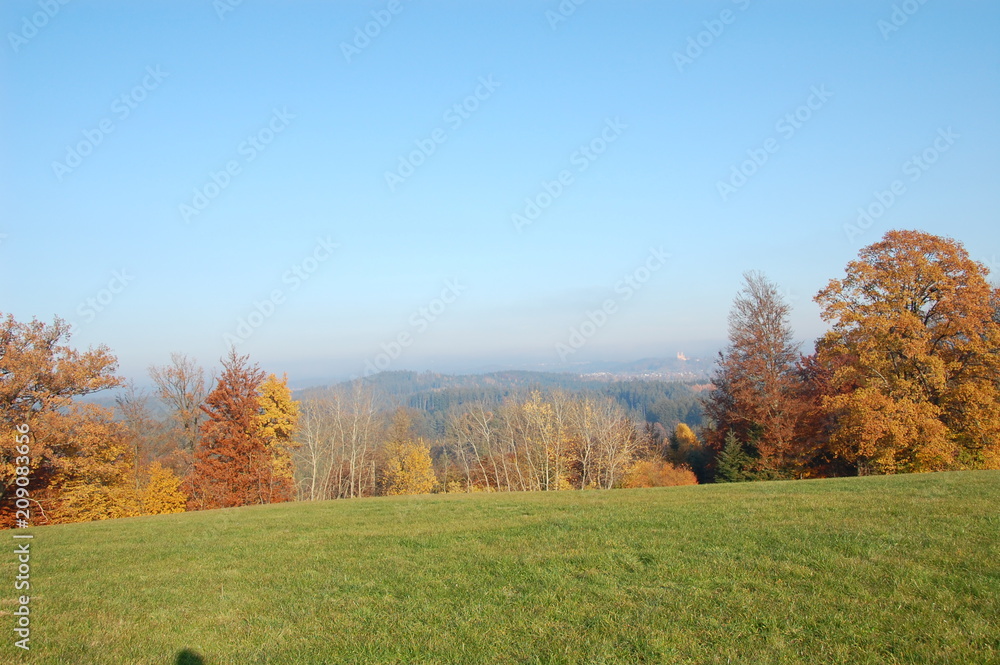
(681, 356)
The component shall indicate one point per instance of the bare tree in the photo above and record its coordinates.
(141, 427)
(473, 438)
(181, 386)
(340, 432)
(314, 456)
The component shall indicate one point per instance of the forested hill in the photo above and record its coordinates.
(654, 401)
(404, 384)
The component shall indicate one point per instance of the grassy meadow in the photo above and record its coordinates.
(881, 570)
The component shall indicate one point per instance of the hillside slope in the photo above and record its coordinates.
(862, 570)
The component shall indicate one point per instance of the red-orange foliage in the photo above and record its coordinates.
(757, 386)
(817, 423)
(233, 464)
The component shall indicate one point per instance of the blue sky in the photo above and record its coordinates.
(618, 121)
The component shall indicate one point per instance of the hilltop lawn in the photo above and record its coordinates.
(879, 570)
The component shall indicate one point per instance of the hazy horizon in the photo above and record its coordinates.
(311, 374)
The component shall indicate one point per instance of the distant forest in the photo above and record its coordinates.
(433, 396)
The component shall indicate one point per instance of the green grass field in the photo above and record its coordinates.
(902, 569)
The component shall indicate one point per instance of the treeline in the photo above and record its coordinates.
(79, 462)
(434, 395)
(350, 447)
(907, 379)
(241, 439)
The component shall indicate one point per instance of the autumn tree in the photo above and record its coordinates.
(756, 385)
(408, 469)
(686, 449)
(657, 473)
(233, 463)
(603, 440)
(92, 468)
(95, 474)
(161, 494)
(544, 444)
(155, 488)
(279, 418)
(40, 376)
(815, 427)
(915, 344)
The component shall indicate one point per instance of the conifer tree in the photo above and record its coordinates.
(733, 463)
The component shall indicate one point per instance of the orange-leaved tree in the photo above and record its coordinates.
(915, 344)
(232, 463)
(40, 376)
(93, 468)
(657, 473)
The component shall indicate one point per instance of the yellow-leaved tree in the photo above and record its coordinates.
(657, 473)
(162, 494)
(93, 476)
(279, 417)
(687, 451)
(407, 467)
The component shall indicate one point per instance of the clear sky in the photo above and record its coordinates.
(169, 168)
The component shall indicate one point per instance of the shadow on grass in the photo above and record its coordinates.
(188, 657)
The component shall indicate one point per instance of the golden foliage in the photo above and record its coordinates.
(162, 494)
(915, 344)
(80, 501)
(658, 473)
(94, 465)
(278, 420)
(408, 469)
(685, 437)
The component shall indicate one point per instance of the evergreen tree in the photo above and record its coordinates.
(733, 463)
